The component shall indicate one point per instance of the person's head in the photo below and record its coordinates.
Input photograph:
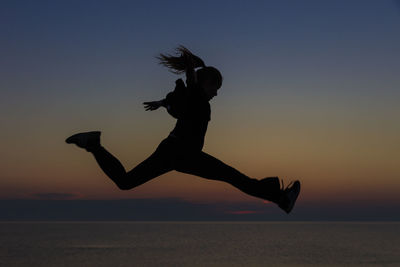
(208, 78)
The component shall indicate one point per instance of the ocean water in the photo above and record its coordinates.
(199, 244)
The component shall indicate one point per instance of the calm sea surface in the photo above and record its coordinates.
(199, 243)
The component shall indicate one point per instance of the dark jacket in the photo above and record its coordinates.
(190, 106)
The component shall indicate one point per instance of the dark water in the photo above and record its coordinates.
(199, 244)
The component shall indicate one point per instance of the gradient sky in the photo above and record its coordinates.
(311, 92)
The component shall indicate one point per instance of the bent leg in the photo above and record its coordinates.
(206, 166)
(157, 164)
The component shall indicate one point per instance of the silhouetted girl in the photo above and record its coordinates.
(182, 149)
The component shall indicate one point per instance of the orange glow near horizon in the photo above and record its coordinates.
(332, 165)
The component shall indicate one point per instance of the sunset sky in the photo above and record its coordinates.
(311, 91)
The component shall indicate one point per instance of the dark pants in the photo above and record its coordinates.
(172, 154)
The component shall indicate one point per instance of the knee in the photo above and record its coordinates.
(124, 186)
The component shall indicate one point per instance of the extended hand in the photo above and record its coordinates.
(153, 105)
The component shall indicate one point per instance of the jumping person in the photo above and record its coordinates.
(182, 149)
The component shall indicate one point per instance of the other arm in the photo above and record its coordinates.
(192, 62)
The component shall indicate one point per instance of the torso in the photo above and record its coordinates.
(191, 126)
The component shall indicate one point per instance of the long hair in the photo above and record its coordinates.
(183, 60)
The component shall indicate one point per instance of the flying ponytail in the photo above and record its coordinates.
(183, 61)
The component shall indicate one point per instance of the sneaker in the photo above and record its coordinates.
(289, 196)
(88, 140)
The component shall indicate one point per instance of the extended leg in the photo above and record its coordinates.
(154, 166)
(206, 166)
(158, 163)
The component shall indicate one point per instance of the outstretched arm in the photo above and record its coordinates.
(174, 99)
(153, 105)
